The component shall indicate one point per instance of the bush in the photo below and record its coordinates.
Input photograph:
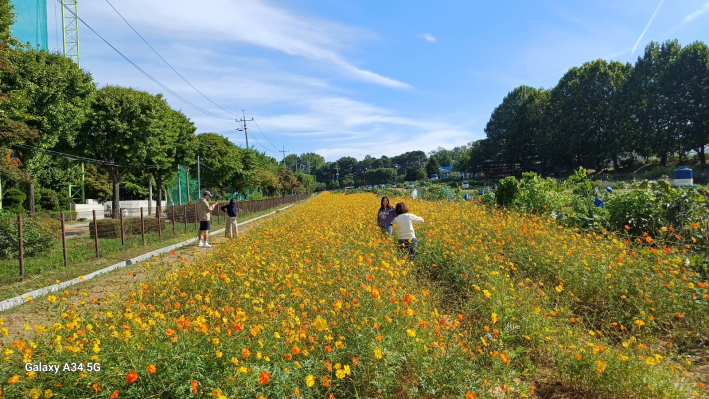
(13, 200)
(541, 195)
(48, 200)
(506, 191)
(37, 236)
(107, 228)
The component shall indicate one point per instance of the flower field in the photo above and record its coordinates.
(317, 303)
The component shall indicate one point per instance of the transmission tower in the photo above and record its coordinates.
(70, 29)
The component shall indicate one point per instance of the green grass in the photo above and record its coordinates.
(47, 268)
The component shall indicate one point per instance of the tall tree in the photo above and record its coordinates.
(647, 101)
(432, 167)
(312, 162)
(584, 116)
(686, 83)
(177, 146)
(50, 94)
(220, 162)
(123, 126)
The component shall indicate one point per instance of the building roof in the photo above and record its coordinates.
(447, 169)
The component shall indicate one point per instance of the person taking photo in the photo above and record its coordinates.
(204, 213)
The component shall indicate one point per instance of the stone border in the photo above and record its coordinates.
(19, 300)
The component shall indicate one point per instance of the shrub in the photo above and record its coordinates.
(640, 210)
(506, 191)
(48, 200)
(13, 200)
(541, 195)
(37, 236)
(107, 228)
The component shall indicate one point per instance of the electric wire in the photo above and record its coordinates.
(164, 60)
(72, 157)
(264, 135)
(198, 108)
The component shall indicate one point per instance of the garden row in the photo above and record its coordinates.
(499, 304)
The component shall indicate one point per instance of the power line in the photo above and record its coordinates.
(164, 60)
(198, 108)
(264, 136)
(72, 157)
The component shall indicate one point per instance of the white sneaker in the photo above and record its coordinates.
(200, 244)
(206, 245)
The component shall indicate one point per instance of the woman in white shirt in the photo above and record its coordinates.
(404, 222)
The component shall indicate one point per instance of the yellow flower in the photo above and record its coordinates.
(320, 324)
(35, 393)
(340, 373)
(52, 299)
(310, 380)
(411, 332)
(600, 366)
(494, 318)
(640, 323)
(378, 353)
(48, 394)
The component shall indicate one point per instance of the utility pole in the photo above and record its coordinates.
(246, 132)
(199, 178)
(284, 156)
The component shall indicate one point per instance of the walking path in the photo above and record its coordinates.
(29, 296)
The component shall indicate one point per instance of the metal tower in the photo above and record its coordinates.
(70, 29)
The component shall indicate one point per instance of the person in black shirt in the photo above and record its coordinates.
(231, 227)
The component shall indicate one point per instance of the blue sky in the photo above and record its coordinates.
(350, 78)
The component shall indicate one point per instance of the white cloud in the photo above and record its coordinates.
(696, 14)
(428, 37)
(259, 23)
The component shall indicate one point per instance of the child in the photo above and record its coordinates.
(385, 216)
(231, 226)
(404, 222)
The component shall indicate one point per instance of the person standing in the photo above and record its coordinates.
(404, 222)
(204, 212)
(232, 228)
(385, 216)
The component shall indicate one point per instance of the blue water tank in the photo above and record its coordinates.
(482, 192)
(609, 189)
(466, 197)
(683, 177)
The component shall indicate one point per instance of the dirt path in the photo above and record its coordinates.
(87, 296)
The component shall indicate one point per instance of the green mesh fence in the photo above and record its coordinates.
(30, 22)
(179, 192)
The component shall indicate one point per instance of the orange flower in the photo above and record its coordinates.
(295, 350)
(193, 384)
(245, 352)
(679, 315)
(470, 395)
(578, 356)
(115, 395)
(326, 381)
(169, 332)
(96, 387)
(13, 379)
(151, 369)
(263, 377)
(132, 376)
(328, 349)
(627, 227)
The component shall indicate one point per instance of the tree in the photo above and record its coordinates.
(123, 125)
(288, 181)
(50, 94)
(268, 181)
(291, 162)
(220, 162)
(686, 84)
(348, 165)
(415, 173)
(11, 131)
(306, 181)
(584, 113)
(646, 102)
(432, 167)
(311, 162)
(176, 147)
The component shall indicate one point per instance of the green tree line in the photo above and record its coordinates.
(603, 112)
(51, 111)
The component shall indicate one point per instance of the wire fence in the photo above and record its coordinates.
(50, 240)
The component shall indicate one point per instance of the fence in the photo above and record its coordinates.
(97, 238)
